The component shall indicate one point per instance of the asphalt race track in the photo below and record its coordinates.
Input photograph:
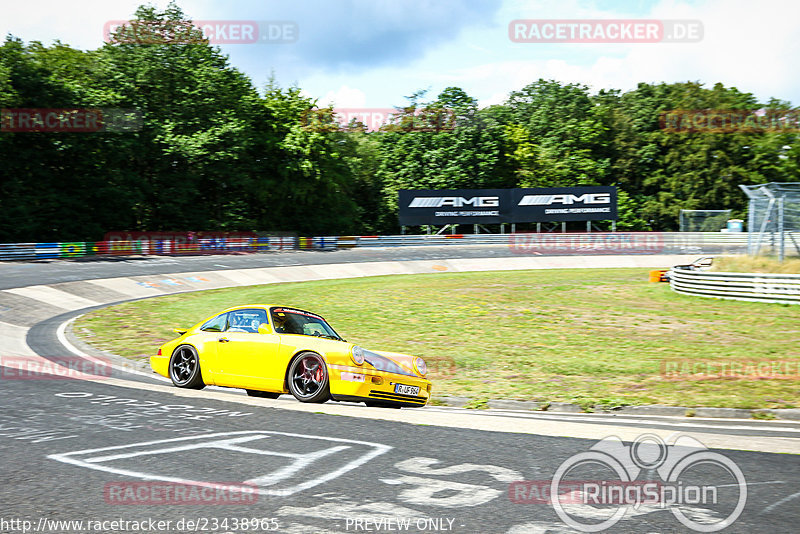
(131, 453)
(50, 272)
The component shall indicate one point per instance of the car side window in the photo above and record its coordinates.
(217, 324)
(246, 320)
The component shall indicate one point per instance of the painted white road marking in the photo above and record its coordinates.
(62, 338)
(424, 492)
(422, 466)
(54, 297)
(100, 459)
(301, 462)
(15, 341)
(780, 502)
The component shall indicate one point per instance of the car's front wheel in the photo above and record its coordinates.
(184, 368)
(262, 394)
(308, 378)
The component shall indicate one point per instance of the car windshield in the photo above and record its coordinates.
(291, 321)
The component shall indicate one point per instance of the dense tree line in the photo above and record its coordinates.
(214, 153)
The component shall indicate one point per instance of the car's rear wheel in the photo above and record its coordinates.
(262, 394)
(308, 378)
(184, 368)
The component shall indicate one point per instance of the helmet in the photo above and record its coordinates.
(280, 323)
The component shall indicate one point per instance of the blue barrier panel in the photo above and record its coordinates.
(263, 243)
(324, 242)
(48, 250)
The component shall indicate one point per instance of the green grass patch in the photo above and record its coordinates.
(477, 404)
(587, 336)
(763, 416)
(756, 264)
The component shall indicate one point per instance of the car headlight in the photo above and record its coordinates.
(357, 354)
(420, 365)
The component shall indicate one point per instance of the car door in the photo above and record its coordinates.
(206, 342)
(246, 358)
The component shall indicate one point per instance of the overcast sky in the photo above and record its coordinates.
(372, 53)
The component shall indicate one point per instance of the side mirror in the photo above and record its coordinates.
(264, 328)
(179, 331)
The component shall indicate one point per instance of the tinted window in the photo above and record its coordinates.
(217, 324)
(291, 321)
(246, 320)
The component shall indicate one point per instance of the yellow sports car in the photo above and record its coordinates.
(270, 350)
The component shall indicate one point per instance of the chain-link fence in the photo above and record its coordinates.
(703, 220)
(773, 218)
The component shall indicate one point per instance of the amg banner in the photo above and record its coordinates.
(595, 203)
(460, 206)
(492, 206)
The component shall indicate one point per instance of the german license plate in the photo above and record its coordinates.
(406, 390)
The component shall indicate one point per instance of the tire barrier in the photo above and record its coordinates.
(760, 287)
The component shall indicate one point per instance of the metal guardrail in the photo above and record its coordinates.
(760, 287)
(556, 243)
(518, 243)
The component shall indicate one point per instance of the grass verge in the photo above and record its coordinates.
(755, 264)
(587, 336)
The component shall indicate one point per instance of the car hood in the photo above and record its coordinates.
(391, 362)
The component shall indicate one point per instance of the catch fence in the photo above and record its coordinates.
(773, 218)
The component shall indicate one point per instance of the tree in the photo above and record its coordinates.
(557, 134)
(191, 158)
(470, 155)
